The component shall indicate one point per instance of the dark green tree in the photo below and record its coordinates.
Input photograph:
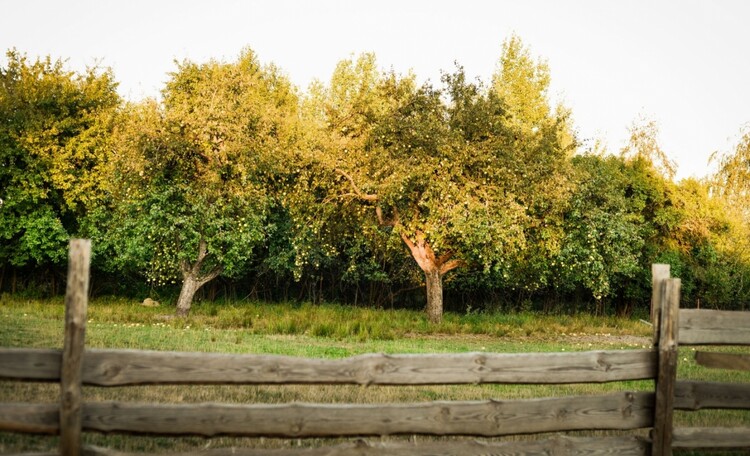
(605, 229)
(54, 136)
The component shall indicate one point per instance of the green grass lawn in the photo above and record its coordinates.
(328, 331)
(117, 317)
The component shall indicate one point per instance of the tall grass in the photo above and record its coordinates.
(328, 321)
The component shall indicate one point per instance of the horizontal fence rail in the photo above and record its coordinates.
(30, 418)
(714, 327)
(131, 367)
(711, 438)
(490, 418)
(723, 360)
(691, 395)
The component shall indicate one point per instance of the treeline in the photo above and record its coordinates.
(370, 189)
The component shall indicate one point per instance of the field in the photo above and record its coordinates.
(328, 331)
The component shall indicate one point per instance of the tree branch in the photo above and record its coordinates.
(408, 241)
(426, 247)
(421, 251)
(194, 269)
(443, 258)
(211, 275)
(186, 268)
(202, 254)
(451, 265)
(357, 191)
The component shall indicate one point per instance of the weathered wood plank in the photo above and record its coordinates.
(30, 418)
(76, 302)
(659, 273)
(480, 418)
(669, 300)
(711, 395)
(714, 327)
(600, 446)
(734, 361)
(30, 364)
(691, 438)
(129, 367)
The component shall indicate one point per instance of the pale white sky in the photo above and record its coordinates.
(685, 64)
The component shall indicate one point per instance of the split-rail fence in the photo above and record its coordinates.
(648, 414)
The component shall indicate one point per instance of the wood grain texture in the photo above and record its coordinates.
(711, 395)
(733, 361)
(714, 327)
(669, 304)
(71, 373)
(687, 438)
(659, 273)
(132, 367)
(30, 418)
(559, 445)
(39, 364)
(129, 367)
(479, 418)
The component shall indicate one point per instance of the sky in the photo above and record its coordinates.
(684, 64)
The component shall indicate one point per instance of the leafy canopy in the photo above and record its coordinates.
(196, 169)
(54, 136)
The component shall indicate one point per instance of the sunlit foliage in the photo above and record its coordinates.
(54, 134)
(368, 189)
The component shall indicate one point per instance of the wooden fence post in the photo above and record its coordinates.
(76, 302)
(669, 304)
(659, 272)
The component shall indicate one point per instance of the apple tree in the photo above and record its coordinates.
(191, 174)
(443, 170)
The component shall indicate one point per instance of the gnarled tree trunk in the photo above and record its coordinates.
(434, 268)
(193, 278)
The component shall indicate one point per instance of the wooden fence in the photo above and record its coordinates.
(75, 366)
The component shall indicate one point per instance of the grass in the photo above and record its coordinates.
(328, 331)
(120, 318)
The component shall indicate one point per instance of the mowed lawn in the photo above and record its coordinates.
(324, 331)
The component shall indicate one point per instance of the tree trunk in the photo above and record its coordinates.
(434, 268)
(190, 285)
(193, 278)
(434, 281)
